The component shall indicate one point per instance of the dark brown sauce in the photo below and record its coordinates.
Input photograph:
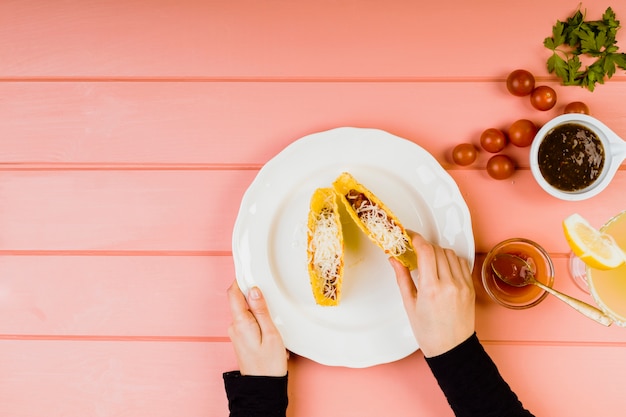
(571, 157)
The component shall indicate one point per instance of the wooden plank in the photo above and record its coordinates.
(406, 388)
(180, 211)
(179, 297)
(538, 372)
(194, 212)
(247, 38)
(184, 298)
(182, 123)
(164, 379)
(381, 390)
(70, 378)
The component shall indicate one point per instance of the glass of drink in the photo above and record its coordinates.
(607, 287)
(578, 271)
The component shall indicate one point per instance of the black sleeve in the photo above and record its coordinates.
(472, 383)
(255, 396)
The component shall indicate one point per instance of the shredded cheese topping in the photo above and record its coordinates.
(326, 249)
(382, 229)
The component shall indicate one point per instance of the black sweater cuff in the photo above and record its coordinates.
(472, 383)
(255, 396)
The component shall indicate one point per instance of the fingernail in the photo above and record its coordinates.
(255, 293)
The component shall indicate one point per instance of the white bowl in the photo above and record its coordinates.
(614, 149)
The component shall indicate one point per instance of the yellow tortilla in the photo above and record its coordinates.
(400, 247)
(325, 247)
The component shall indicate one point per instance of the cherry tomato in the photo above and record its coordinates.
(520, 83)
(522, 132)
(493, 140)
(464, 154)
(543, 98)
(576, 107)
(500, 167)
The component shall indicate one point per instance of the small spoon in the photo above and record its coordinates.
(515, 271)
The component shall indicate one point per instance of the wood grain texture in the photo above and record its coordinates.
(164, 379)
(183, 298)
(155, 210)
(130, 130)
(123, 379)
(540, 377)
(168, 297)
(242, 124)
(277, 39)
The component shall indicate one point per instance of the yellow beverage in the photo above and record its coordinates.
(609, 287)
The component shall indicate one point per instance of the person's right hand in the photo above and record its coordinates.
(440, 302)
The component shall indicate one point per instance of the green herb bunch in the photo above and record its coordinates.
(576, 37)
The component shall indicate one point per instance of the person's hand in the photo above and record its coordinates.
(258, 345)
(440, 302)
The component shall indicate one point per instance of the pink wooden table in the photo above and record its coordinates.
(129, 131)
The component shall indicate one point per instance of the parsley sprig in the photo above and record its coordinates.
(596, 39)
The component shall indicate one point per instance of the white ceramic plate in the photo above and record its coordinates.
(370, 325)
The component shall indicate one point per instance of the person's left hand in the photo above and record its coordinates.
(258, 345)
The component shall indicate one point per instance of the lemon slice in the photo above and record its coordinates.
(596, 249)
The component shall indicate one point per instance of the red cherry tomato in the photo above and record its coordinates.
(500, 167)
(543, 98)
(464, 154)
(520, 83)
(576, 107)
(522, 132)
(493, 140)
